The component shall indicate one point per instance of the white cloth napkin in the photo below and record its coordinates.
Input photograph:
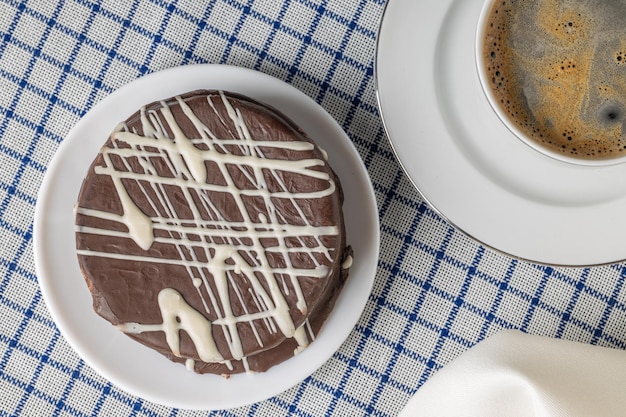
(515, 374)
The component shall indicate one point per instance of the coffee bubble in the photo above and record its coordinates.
(558, 70)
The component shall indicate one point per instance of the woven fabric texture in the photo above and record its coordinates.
(436, 293)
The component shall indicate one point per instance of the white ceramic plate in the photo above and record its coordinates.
(468, 165)
(131, 366)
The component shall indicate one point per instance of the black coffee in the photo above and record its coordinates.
(558, 69)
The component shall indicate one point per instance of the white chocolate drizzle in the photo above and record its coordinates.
(221, 241)
(347, 263)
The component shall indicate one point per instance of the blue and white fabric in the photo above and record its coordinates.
(437, 292)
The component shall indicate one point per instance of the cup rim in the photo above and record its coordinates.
(504, 117)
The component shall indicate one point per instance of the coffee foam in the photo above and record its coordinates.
(558, 69)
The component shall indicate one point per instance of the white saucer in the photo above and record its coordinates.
(468, 165)
(131, 366)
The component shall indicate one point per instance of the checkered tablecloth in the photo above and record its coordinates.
(436, 292)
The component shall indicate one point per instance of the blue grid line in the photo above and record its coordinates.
(489, 319)
(61, 403)
(25, 159)
(444, 331)
(382, 376)
(535, 298)
(27, 312)
(273, 31)
(334, 16)
(370, 108)
(347, 398)
(275, 60)
(499, 296)
(18, 334)
(369, 148)
(589, 328)
(503, 288)
(97, 82)
(530, 299)
(368, 333)
(12, 26)
(254, 408)
(31, 390)
(314, 80)
(43, 357)
(124, 21)
(235, 41)
(299, 394)
(293, 411)
(405, 332)
(142, 68)
(615, 342)
(137, 405)
(12, 265)
(390, 194)
(565, 317)
(377, 307)
(595, 293)
(107, 390)
(104, 394)
(23, 83)
(367, 32)
(201, 24)
(75, 374)
(457, 303)
(357, 100)
(118, 396)
(16, 192)
(418, 282)
(410, 202)
(338, 57)
(379, 375)
(580, 284)
(419, 245)
(611, 304)
(419, 303)
(223, 413)
(310, 5)
(31, 385)
(16, 180)
(128, 24)
(170, 8)
(24, 234)
(80, 37)
(329, 88)
(560, 275)
(306, 41)
(232, 38)
(144, 411)
(111, 52)
(158, 37)
(61, 65)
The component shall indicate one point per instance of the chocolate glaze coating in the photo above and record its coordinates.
(247, 191)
